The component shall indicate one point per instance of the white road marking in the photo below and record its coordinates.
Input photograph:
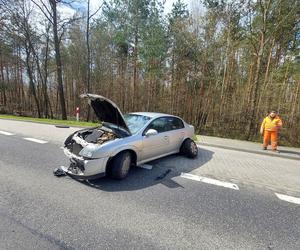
(35, 140)
(5, 133)
(209, 181)
(288, 198)
(146, 166)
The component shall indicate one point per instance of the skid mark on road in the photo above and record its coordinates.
(288, 198)
(210, 181)
(35, 140)
(5, 133)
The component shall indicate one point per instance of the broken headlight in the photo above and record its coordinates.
(86, 153)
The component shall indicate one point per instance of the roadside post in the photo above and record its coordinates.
(77, 114)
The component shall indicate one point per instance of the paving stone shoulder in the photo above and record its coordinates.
(249, 147)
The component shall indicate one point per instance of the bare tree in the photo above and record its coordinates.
(51, 15)
(88, 78)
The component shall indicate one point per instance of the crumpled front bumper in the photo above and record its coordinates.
(84, 169)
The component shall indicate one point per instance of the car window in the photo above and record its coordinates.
(176, 123)
(135, 122)
(164, 124)
(160, 125)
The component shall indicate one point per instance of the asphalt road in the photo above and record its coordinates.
(41, 211)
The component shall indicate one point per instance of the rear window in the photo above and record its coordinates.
(174, 123)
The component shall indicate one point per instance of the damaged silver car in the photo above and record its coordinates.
(122, 141)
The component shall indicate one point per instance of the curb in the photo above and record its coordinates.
(250, 151)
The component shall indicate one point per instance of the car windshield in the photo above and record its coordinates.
(135, 122)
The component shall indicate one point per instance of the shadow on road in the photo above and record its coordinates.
(162, 172)
(290, 152)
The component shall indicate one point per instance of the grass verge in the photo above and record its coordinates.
(73, 123)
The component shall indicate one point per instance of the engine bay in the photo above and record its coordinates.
(97, 136)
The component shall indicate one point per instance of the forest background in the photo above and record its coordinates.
(220, 65)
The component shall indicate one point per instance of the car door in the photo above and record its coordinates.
(176, 133)
(159, 144)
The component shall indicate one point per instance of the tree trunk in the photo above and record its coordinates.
(60, 86)
(254, 92)
(135, 87)
(88, 63)
(31, 81)
(3, 85)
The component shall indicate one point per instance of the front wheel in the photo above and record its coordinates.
(120, 165)
(189, 148)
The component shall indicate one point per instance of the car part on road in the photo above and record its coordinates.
(189, 148)
(59, 172)
(162, 176)
(145, 166)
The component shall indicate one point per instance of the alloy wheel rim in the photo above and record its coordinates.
(194, 148)
(126, 165)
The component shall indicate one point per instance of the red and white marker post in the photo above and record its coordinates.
(77, 113)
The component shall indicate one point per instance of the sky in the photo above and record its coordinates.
(94, 5)
(67, 11)
(168, 4)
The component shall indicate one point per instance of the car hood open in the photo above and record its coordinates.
(106, 110)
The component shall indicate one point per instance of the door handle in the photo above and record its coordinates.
(166, 137)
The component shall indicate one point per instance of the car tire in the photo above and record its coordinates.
(120, 165)
(189, 148)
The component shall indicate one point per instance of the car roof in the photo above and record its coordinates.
(152, 114)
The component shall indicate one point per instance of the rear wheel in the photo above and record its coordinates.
(120, 165)
(189, 148)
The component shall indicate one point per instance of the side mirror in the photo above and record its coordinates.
(151, 132)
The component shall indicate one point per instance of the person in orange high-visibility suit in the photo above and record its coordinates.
(269, 129)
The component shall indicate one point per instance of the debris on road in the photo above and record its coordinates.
(145, 166)
(59, 172)
(162, 176)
